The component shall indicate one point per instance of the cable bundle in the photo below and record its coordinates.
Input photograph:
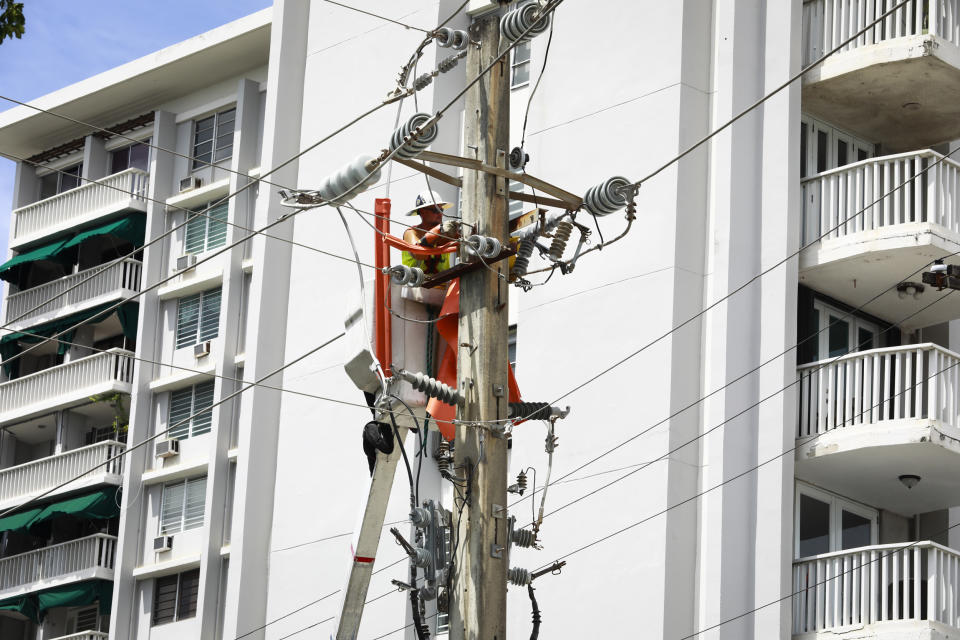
(403, 137)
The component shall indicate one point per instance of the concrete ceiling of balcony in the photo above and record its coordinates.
(139, 86)
(44, 428)
(865, 462)
(902, 93)
(857, 268)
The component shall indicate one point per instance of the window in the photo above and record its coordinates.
(198, 318)
(206, 231)
(185, 403)
(134, 156)
(520, 67)
(213, 138)
(827, 522)
(84, 619)
(823, 147)
(60, 181)
(841, 333)
(175, 597)
(181, 507)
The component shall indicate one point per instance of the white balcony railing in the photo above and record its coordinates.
(66, 381)
(123, 274)
(58, 561)
(874, 584)
(85, 635)
(867, 195)
(46, 473)
(828, 23)
(914, 381)
(108, 193)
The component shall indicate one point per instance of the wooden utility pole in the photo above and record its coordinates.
(478, 599)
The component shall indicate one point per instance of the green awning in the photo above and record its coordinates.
(10, 270)
(76, 595)
(10, 342)
(130, 229)
(19, 521)
(25, 605)
(99, 505)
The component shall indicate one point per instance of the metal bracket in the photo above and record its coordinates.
(501, 182)
(499, 511)
(496, 550)
(498, 391)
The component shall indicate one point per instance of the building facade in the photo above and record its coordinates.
(772, 456)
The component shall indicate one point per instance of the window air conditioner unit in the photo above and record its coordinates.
(167, 448)
(186, 262)
(188, 184)
(201, 349)
(162, 543)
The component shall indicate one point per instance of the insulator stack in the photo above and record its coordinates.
(442, 456)
(403, 137)
(350, 181)
(524, 538)
(515, 23)
(524, 251)
(519, 577)
(530, 410)
(607, 197)
(407, 276)
(483, 246)
(518, 158)
(451, 38)
(560, 238)
(449, 62)
(423, 81)
(522, 481)
(432, 387)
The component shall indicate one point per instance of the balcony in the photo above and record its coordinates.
(868, 417)
(882, 591)
(875, 238)
(85, 635)
(111, 282)
(83, 559)
(66, 385)
(38, 476)
(899, 82)
(124, 191)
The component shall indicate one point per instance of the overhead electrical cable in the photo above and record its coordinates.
(376, 15)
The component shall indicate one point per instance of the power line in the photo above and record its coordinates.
(753, 406)
(728, 481)
(546, 11)
(377, 15)
(780, 88)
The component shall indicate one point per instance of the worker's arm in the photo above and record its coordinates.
(430, 239)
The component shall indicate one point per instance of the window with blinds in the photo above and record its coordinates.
(198, 318)
(213, 138)
(185, 403)
(181, 507)
(175, 597)
(207, 230)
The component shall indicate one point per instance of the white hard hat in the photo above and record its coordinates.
(428, 198)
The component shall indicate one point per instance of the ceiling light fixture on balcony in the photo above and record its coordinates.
(911, 106)
(905, 289)
(909, 480)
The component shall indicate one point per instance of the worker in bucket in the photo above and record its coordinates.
(431, 231)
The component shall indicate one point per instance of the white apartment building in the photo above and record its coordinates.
(808, 495)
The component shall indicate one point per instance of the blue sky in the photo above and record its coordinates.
(66, 42)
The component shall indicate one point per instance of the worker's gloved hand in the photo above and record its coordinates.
(450, 228)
